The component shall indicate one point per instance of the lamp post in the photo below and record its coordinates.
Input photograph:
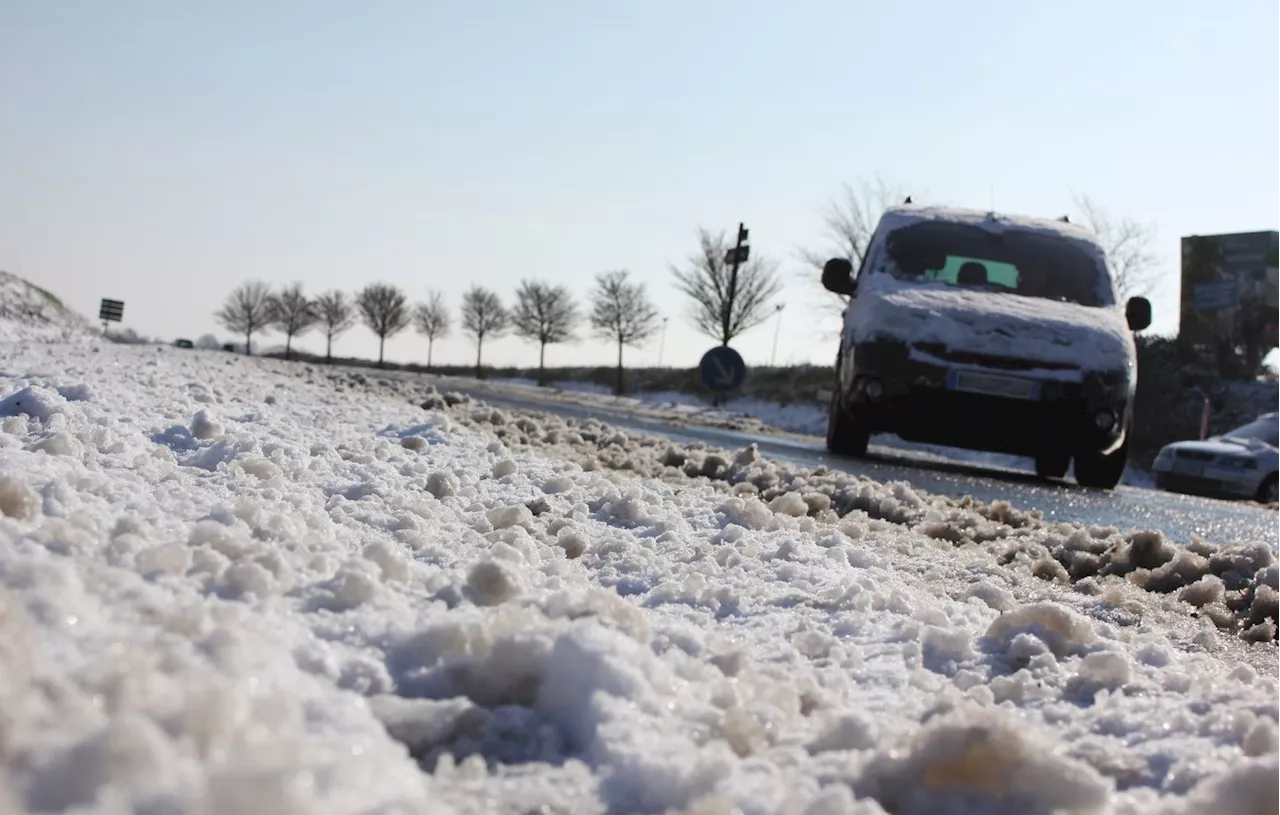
(662, 341)
(776, 329)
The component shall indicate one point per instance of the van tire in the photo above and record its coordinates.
(1099, 470)
(1052, 464)
(844, 436)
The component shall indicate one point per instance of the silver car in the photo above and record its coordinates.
(1240, 463)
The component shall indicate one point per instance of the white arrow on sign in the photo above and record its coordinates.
(725, 376)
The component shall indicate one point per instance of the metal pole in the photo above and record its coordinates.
(733, 282)
(662, 341)
(776, 329)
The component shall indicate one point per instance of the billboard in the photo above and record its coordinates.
(1229, 294)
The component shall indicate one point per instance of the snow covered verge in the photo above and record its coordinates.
(237, 585)
(29, 313)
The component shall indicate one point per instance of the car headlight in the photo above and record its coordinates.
(1240, 463)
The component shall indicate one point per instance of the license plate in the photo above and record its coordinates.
(1188, 468)
(1010, 387)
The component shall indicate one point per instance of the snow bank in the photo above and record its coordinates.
(238, 585)
(28, 313)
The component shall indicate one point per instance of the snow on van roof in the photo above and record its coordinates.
(996, 222)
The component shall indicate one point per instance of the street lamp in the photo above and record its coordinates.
(777, 328)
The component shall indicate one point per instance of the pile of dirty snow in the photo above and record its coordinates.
(28, 313)
(235, 585)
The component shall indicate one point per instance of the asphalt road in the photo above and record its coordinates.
(1178, 516)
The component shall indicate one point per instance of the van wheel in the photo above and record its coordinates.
(1102, 471)
(1267, 490)
(844, 436)
(1052, 464)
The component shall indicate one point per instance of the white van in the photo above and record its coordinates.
(988, 332)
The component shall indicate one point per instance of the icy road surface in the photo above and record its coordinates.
(1179, 516)
(235, 585)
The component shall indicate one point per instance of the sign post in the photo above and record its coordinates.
(111, 311)
(735, 257)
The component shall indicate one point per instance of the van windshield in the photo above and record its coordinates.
(1019, 262)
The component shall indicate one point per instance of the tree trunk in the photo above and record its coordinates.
(288, 346)
(542, 374)
(431, 341)
(381, 342)
(479, 346)
(248, 343)
(328, 347)
(617, 388)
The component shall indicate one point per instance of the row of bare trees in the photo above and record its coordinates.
(724, 304)
(254, 308)
(619, 311)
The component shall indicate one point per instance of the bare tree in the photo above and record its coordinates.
(292, 314)
(247, 311)
(724, 304)
(849, 221)
(1127, 243)
(621, 312)
(432, 320)
(544, 314)
(335, 314)
(385, 310)
(482, 316)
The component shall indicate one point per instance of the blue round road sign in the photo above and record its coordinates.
(722, 369)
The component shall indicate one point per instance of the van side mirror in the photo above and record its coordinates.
(837, 276)
(1138, 312)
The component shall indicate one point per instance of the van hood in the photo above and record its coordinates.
(1060, 335)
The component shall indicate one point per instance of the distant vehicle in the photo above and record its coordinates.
(1241, 463)
(180, 343)
(987, 332)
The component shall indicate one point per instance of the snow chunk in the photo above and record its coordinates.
(389, 558)
(1261, 738)
(1208, 589)
(509, 516)
(557, 484)
(996, 597)
(60, 444)
(492, 582)
(442, 484)
(33, 401)
(168, 558)
(504, 468)
(573, 543)
(204, 425)
(985, 760)
(847, 731)
(17, 499)
(1104, 669)
(1064, 631)
(424, 724)
(414, 443)
(76, 393)
(789, 503)
(1248, 788)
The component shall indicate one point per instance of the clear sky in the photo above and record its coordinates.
(161, 152)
